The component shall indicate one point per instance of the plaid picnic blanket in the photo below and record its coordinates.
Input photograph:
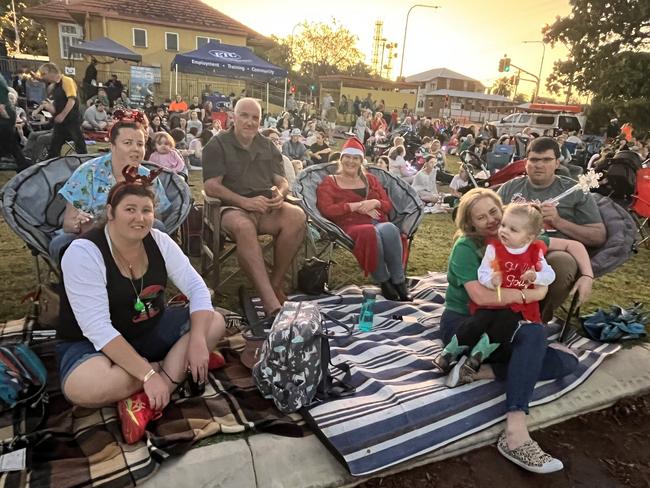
(84, 447)
(401, 408)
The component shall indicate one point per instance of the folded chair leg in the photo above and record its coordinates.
(37, 265)
(573, 309)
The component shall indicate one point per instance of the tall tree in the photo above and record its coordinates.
(608, 41)
(319, 49)
(503, 86)
(32, 34)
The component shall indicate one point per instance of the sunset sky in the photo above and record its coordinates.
(467, 36)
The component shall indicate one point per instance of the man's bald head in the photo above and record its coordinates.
(248, 104)
(247, 120)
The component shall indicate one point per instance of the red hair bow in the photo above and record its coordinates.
(123, 115)
(132, 176)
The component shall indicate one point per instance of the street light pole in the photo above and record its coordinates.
(406, 26)
(284, 103)
(539, 77)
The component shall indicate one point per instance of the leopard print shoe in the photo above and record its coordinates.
(529, 456)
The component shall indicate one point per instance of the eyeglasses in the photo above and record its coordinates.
(541, 160)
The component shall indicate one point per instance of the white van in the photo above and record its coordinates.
(544, 124)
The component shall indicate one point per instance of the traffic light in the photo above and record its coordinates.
(292, 89)
(312, 87)
(504, 64)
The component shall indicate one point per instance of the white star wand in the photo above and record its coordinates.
(585, 183)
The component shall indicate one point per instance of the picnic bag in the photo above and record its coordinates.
(294, 361)
(313, 276)
(46, 304)
(191, 231)
(23, 379)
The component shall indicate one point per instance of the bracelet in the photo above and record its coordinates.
(523, 296)
(169, 377)
(586, 276)
(148, 376)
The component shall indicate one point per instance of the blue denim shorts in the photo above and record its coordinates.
(174, 324)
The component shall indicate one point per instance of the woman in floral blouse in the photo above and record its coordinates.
(86, 190)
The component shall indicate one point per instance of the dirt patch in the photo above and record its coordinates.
(610, 448)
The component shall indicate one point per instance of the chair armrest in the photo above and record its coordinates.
(212, 201)
(292, 199)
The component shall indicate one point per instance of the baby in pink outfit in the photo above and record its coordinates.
(166, 156)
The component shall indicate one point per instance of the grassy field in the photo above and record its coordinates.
(429, 253)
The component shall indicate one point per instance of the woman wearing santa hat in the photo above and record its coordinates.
(355, 201)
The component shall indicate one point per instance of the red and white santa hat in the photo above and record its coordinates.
(354, 147)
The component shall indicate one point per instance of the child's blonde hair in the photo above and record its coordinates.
(159, 136)
(531, 213)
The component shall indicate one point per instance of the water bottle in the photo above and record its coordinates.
(365, 317)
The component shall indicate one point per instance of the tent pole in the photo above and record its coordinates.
(170, 84)
(176, 68)
(267, 97)
(284, 104)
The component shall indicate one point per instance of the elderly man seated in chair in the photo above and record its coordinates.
(245, 171)
(575, 217)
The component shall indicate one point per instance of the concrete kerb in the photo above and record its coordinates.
(270, 461)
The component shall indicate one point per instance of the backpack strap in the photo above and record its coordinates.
(331, 386)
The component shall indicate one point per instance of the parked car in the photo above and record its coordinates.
(543, 124)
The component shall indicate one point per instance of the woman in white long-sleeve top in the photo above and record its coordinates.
(120, 343)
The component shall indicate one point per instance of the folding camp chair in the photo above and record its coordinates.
(407, 212)
(621, 234)
(500, 157)
(640, 208)
(33, 209)
(217, 249)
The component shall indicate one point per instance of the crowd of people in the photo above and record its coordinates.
(506, 276)
(68, 114)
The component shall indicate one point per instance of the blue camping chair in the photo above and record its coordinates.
(407, 212)
(500, 157)
(33, 209)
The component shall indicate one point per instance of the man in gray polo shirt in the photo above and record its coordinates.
(245, 170)
(575, 216)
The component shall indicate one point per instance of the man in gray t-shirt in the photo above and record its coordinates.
(574, 217)
(577, 208)
(245, 171)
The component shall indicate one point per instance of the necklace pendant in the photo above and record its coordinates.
(138, 305)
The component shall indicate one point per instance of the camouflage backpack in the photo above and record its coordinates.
(295, 357)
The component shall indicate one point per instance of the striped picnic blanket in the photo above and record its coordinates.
(84, 447)
(401, 408)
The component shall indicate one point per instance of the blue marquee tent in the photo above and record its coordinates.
(216, 59)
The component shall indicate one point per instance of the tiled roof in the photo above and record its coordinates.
(193, 14)
(439, 73)
(52, 10)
